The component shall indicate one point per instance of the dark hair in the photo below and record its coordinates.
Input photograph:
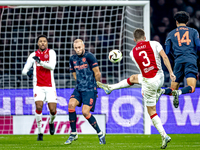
(138, 34)
(41, 36)
(182, 17)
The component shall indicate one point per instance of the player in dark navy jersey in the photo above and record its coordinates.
(85, 70)
(183, 43)
(83, 66)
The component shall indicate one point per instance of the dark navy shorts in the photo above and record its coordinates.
(85, 98)
(188, 70)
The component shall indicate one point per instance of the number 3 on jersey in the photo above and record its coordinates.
(145, 57)
(184, 39)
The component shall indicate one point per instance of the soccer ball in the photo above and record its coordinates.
(115, 56)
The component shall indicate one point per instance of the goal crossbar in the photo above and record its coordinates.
(72, 3)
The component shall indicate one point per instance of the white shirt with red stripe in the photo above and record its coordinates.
(43, 72)
(147, 58)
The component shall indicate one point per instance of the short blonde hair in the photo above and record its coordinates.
(78, 40)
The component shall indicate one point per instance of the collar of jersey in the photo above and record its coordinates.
(140, 42)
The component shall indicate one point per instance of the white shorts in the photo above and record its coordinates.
(47, 94)
(150, 87)
(140, 78)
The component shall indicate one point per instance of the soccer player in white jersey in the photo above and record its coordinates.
(146, 55)
(43, 61)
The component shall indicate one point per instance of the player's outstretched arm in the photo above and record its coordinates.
(168, 65)
(97, 73)
(28, 65)
(74, 75)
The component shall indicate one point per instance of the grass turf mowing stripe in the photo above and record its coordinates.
(113, 142)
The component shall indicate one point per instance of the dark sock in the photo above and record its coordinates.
(72, 119)
(168, 91)
(187, 89)
(93, 122)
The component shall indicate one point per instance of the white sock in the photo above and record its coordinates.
(73, 133)
(52, 117)
(157, 123)
(121, 84)
(100, 133)
(179, 92)
(39, 120)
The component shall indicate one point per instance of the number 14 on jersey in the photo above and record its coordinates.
(184, 39)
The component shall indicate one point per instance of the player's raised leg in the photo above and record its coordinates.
(73, 102)
(38, 117)
(91, 119)
(134, 79)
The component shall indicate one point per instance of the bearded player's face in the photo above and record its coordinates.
(42, 43)
(79, 48)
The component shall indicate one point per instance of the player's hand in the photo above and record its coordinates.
(37, 59)
(173, 77)
(30, 73)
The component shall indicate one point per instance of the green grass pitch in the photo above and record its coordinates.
(91, 142)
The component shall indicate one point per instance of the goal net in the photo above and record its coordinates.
(101, 27)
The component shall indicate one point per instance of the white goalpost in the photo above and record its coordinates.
(103, 26)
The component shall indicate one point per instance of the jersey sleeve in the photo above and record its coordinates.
(29, 64)
(168, 40)
(168, 44)
(92, 60)
(71, 65)
(196, 39)
(196, 35)
(158, 47)
(52, 61)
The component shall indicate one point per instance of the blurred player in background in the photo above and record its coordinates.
(183, 42)
(85, 70)
(146, 55)
(43, 62)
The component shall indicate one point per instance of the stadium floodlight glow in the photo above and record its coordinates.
(103, 26)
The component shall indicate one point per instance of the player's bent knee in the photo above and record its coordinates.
(38, 105)
(85, 113)
(71, 106)
(73, 103)
(133, 78)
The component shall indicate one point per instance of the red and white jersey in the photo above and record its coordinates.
(147, 58)
(43, 75)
